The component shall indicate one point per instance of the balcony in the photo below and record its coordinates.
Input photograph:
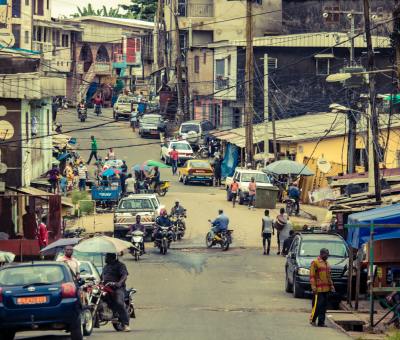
(20, 86)
(196, 10)
(221, 83)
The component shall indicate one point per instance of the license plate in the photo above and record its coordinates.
(32, 300)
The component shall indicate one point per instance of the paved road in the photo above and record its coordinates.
(194, 293)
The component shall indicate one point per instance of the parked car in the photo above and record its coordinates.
(151, 125)
(40, 296)
(183, 147)
(243, 177)
(146, 205)
(88, 271)
(304, 249)
(123, 107)
(196, 170)
(195, 131)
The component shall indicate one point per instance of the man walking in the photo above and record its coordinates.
(93, 153)
(252, 193)
(266, 231)
(83, 174)
(321, 285)
(174, 155)
(234, 188)
(217, 171)
(42, 234)
(279, 225)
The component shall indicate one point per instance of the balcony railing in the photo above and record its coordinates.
(42, 46)
(194, 10)
(221, 83)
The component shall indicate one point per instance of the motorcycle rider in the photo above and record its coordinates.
(81, 106)
(115, 274)
(162, 221)
(220, 224)
(177, 209)
(98, 102)
(294, 194)
(138, 226)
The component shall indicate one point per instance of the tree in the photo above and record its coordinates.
(141, 9)
(104, 12)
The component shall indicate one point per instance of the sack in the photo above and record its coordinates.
(279, 225)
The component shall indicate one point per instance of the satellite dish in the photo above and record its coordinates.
(323, 165)
(3, 168)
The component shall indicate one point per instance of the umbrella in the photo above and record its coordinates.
(6, 256)
(63, 156)
(54, 247)
(288, 167)
(109, 172)
(139, 167)
(102, 244)
(155, 163)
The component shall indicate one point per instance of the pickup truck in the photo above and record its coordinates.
(243, 178)
(146, 205)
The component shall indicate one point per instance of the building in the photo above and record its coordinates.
(108, 50)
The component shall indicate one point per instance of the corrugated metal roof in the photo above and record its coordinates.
(119, 21)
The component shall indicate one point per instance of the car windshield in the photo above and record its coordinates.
(135, 204)
(185, 128)
(150, 120)
(21, 276)
(259, 178)
(181, 146)
(85, 269)
(199, 164)
(312, 248)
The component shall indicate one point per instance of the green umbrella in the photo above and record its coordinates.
(288, 167)
(155, 163)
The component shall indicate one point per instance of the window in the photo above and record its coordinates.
(26, 2)
(16, 30)
(48, 4)
(65, 40)
(39, 10)
(196, 64)
(204, 57)
(28, 275)
(322, 66)
(26, 37)
(16, 8)
(220, 67)
(229, 65)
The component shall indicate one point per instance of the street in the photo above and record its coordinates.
(194, 292)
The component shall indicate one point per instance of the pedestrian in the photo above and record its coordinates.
(294, 194)
(234, 188)
(111, 154)
(174, 156)
(63, 185)
(266, 231)
(321, 286)
(82, 174)
(71, 261)
(42, 233)
(284, 234)
(54, 109)
(54, 174)
(93, 147)
(130, 184)
(124, 167)
(29, 224)
(288, 243)
(252, 193)
(280, 223)
(217, 171)
(122, 180)
(69, 174)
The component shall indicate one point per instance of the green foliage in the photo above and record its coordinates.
(394, 336)
(142, 9)
(103, 12)
(86, 207)
(77, 196)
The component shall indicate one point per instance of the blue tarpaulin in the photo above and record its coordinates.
(230, 160)
(386, 215)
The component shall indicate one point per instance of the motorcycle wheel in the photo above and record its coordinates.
(137, 255)
(165, 247)
(131, 311)
(161, 192)
(118, 326)
(209, 240)
(224, 243)
(87, 321)
(179, 236)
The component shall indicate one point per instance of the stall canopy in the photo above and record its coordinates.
(386, 215)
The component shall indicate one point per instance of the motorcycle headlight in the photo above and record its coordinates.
(95, 291)
(303, 271)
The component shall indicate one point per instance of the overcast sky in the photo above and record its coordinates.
(67, 7)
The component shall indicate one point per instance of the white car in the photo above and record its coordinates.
(243, 178)
(183, 147)
(88, 271)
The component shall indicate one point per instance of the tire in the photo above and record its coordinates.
(137, 255)
(76, 330)
(185, 181)
(87, 321)
(209, 241)
(241, 199)
(225, 244)
(288, 286)
(118, 326)
(161, 192)
(131, 311)
(165, 246)
(228, 195)
(298, 292)
(116, 117)
(8, 334)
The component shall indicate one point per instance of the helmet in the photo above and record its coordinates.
(163, 212)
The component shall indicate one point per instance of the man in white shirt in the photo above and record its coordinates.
(71, 261)
(130, 185)
(82, 174)
(266, 231)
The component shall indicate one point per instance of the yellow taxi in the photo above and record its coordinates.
(196, 171)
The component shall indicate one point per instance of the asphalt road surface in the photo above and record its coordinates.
(192, 292)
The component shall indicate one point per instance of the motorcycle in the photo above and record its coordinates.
(82, 113)
(161, 189)
(179, 224)
(97, 110)
(74, 233)
(98, 298)
(290, 206)
(202, 152)
(224, 239)
(163, 238)
(137, 244)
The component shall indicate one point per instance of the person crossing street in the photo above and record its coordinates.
(93, 152)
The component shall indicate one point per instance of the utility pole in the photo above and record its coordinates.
(178, 66)
(373, 171)
(266, 110)
(273, 116)
(396, 37)
(249, 83)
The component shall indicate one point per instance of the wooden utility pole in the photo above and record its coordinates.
(249, 84)
(178, 66)
(373, 118)
(396, 37)
(273, 116)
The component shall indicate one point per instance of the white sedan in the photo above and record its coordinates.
(183, 147)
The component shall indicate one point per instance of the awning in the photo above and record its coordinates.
(32, 191)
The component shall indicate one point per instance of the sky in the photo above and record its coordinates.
(67, 7)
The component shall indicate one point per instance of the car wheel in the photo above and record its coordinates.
(288, 286)
(228, 195)
(298, 292)
(241, 199)
(87, 321)
(180, 178)
(116, 117)
(8, 334)
(76, 329)
(185, 180)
